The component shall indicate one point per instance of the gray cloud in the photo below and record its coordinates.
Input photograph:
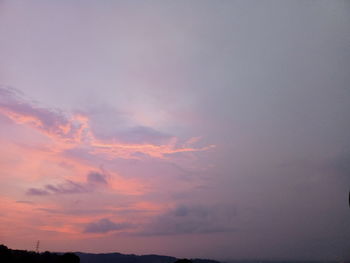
(37, 191)
(69, 187)
(186, 219)
(104, 225)
(93, 181)
(96, 178)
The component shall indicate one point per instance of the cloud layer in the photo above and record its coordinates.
(212, 129)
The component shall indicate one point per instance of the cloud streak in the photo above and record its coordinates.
(93, 181)
(105, 225)
(69, 187)
(73, 131)
(51, 122)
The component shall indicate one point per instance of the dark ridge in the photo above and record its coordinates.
(23, 256)
(131, 258)
(284, 261)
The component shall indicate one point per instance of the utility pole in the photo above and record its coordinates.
(37, 246)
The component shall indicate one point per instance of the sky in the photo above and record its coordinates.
(215, 129)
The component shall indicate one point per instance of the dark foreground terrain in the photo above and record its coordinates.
(122, 258)
(22, 256)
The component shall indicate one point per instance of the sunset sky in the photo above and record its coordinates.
(189, 128)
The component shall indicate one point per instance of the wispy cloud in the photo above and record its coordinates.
(73, 131)
(93, 180)
(105, 225)
(51, 122)
(37, 191)
(69, 187)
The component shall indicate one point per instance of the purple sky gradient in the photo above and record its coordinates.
(196, 128)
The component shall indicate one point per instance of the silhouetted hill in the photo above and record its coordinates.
(22, 256)
(123, 258)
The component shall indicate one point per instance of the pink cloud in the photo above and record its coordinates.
(74, 195)
(69, 131)
(49, 121)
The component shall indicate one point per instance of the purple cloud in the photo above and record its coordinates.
(93, 180)
(69, 187)
(37, 191)
(96, 178)
(104, 225)
(51, 121)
